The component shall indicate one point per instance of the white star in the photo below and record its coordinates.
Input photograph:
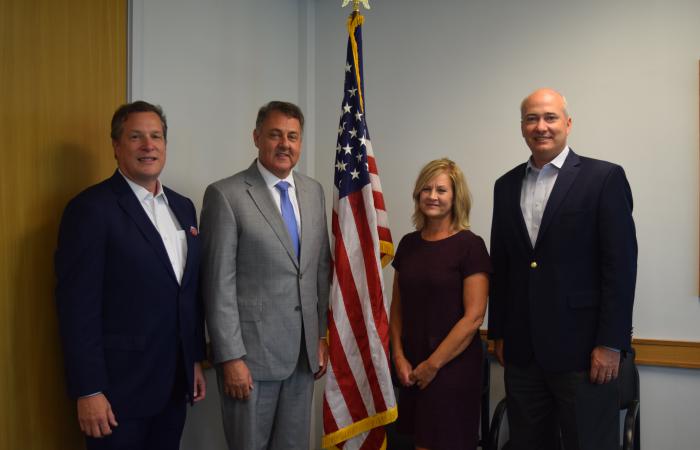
(340, 166)
(355, 174)
(363, 140)
(341, 128)
(347, 67)
(358, 116)
(347, 108)
(352, 92)
(359, 157)
(337, 147)
(353, 132)
(348, 149)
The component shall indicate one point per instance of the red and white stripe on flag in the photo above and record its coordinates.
(359, 397)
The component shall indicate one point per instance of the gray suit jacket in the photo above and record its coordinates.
(258, 297)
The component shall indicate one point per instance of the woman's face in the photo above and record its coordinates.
(435, 198)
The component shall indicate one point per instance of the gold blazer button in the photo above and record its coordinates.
(533, 265)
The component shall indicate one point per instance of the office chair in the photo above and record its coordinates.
(629, 401)
(485, 397)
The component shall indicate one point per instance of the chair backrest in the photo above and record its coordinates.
(629, 400)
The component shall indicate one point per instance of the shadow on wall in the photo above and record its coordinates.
(204, 428)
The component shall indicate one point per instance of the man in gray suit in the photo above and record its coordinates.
(265, 281)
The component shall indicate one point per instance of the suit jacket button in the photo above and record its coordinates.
(533, 265)
(297, 308)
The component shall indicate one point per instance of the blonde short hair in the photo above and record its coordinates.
(461, 200)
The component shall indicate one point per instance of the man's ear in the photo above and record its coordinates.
(256, 135)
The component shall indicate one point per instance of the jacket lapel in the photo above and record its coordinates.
(565, 178)
(260, 194)
(131, 206)
(514, 196)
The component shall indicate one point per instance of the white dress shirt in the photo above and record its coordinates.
(534, 194)
(162, 217)
(271, 180)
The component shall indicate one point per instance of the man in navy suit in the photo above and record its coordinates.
(564, 252)
(131, 322)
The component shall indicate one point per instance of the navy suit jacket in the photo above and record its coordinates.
(574, 289)
(125, 321)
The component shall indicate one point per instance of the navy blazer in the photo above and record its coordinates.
(125, 321)
(574, 289)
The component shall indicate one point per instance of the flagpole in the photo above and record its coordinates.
(358, 396)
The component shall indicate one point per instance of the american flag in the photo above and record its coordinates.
(359, 398)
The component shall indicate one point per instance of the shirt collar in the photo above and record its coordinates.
(557, 162)
(271, 179)
(141, 192)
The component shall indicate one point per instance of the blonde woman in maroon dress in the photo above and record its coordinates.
(439, 301)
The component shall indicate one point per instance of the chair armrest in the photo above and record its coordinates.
(495, 430)
(631, 417)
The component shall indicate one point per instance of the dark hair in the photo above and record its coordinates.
(122, 113)
(286, 108)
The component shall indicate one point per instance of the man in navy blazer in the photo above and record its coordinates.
(564, 251)
(130, 318)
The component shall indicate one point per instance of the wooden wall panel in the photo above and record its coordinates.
(62, 74)
(653, 352)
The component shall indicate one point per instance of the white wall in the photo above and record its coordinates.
(445, 79)
(211, 64)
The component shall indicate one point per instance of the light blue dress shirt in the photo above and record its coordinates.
(534, 194)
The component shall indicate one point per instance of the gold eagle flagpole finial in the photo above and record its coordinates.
(356, 4)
